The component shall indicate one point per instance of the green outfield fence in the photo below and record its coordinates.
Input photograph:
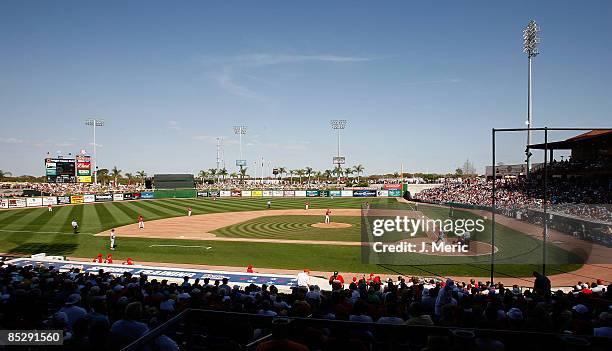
(175, 193)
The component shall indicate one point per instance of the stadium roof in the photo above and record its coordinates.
(586, 138)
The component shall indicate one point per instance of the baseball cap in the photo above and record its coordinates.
(73, 299)
(580, 308)
(515, 314)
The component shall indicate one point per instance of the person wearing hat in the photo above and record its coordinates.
(109, 259)
(112, 239)
(249, 269)
(75, 226)
(336, 281)
(72, 311)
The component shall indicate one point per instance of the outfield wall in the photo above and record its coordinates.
(191, 193)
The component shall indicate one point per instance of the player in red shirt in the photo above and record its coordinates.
(307, 204)
(98, 259)
(140, 222)
(250, 269)
(327, 215)
(49, 208)
(129, 261)
(188, 211)
(336, 281)
(109, 259)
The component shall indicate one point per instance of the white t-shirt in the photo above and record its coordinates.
(303, 279)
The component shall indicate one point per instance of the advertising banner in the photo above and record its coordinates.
(225, 193)
(135, 196)
(364, 193)
(246, 193)
(392, 186)
(324, 193)
(214, 193)
(17, 203)
(33, 201)
(277, 193)
(346, 193)
(312, 193)
(395, 192)
(4, 203)
(289, 193)
(335, 193)
(235, 193)
(77, 199)
(258, 193)
(300, 193)
(267, 193)
(202, 194)
(147, 195)
(241, 163)
(88, 198)
(127, 196)
(104, 197)
(63, 200)
(383, 193)
(49, 200)
(117, 197)
(84, 179)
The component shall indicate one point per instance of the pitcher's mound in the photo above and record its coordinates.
(331, 225)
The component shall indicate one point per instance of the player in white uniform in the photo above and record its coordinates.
(75, 226)
(112, 239)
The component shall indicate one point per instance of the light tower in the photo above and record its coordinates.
(530, 47)
(94, 122)
(240, 130)
(338, 124)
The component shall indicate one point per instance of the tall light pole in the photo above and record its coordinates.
(530, 47)
(240, 130)
(338, 124)
(94, 122)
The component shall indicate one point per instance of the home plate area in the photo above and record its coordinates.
(283, 282)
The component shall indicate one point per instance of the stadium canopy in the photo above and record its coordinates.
(588, 139)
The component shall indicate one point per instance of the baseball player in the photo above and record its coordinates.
(440, 237)
(140, 222)
(109, 259)
(327, 214)
(49, 208)
(307, 204)
(269, 204)
(75, 226)
(112, 239)
(189, 212)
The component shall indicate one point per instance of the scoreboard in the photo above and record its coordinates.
(60, 170)
(68, 170)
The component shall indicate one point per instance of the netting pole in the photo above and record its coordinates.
(493, 209)
(545, 200)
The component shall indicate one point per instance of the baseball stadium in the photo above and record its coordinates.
(355, 230)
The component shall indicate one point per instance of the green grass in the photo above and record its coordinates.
(35, 230)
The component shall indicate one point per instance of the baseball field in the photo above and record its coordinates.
(239, 232)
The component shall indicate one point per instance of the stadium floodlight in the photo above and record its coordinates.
(530, 47)
(240, 130)
(94, 122)
(338, 124)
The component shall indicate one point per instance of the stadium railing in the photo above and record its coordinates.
(196, 329)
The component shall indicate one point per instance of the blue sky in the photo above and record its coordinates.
(421, 84)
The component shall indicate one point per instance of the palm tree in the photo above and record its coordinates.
(328, 173)
(141, 175)
(348, 171)
(223, 173)
(243, 172)
(212, 172)
(116, 174)
(103, 175)
(129, 177)
(282, 171)
(359, 169)
(308, 173)
(233, 175)
(338, 171)
(300, 173)
(4, 174)
(203, 175)
(291, 172)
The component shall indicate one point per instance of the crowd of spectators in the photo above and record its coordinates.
(580, 198)
(60, 189)
(102, 311)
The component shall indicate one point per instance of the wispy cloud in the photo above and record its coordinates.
(11, 140)
(174, 125)
(226, 80)
(439, 81)
(276, 59)
(231, 66)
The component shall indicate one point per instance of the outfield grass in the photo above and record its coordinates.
(35, 230)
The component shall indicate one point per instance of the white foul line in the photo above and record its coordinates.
(171, 245)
